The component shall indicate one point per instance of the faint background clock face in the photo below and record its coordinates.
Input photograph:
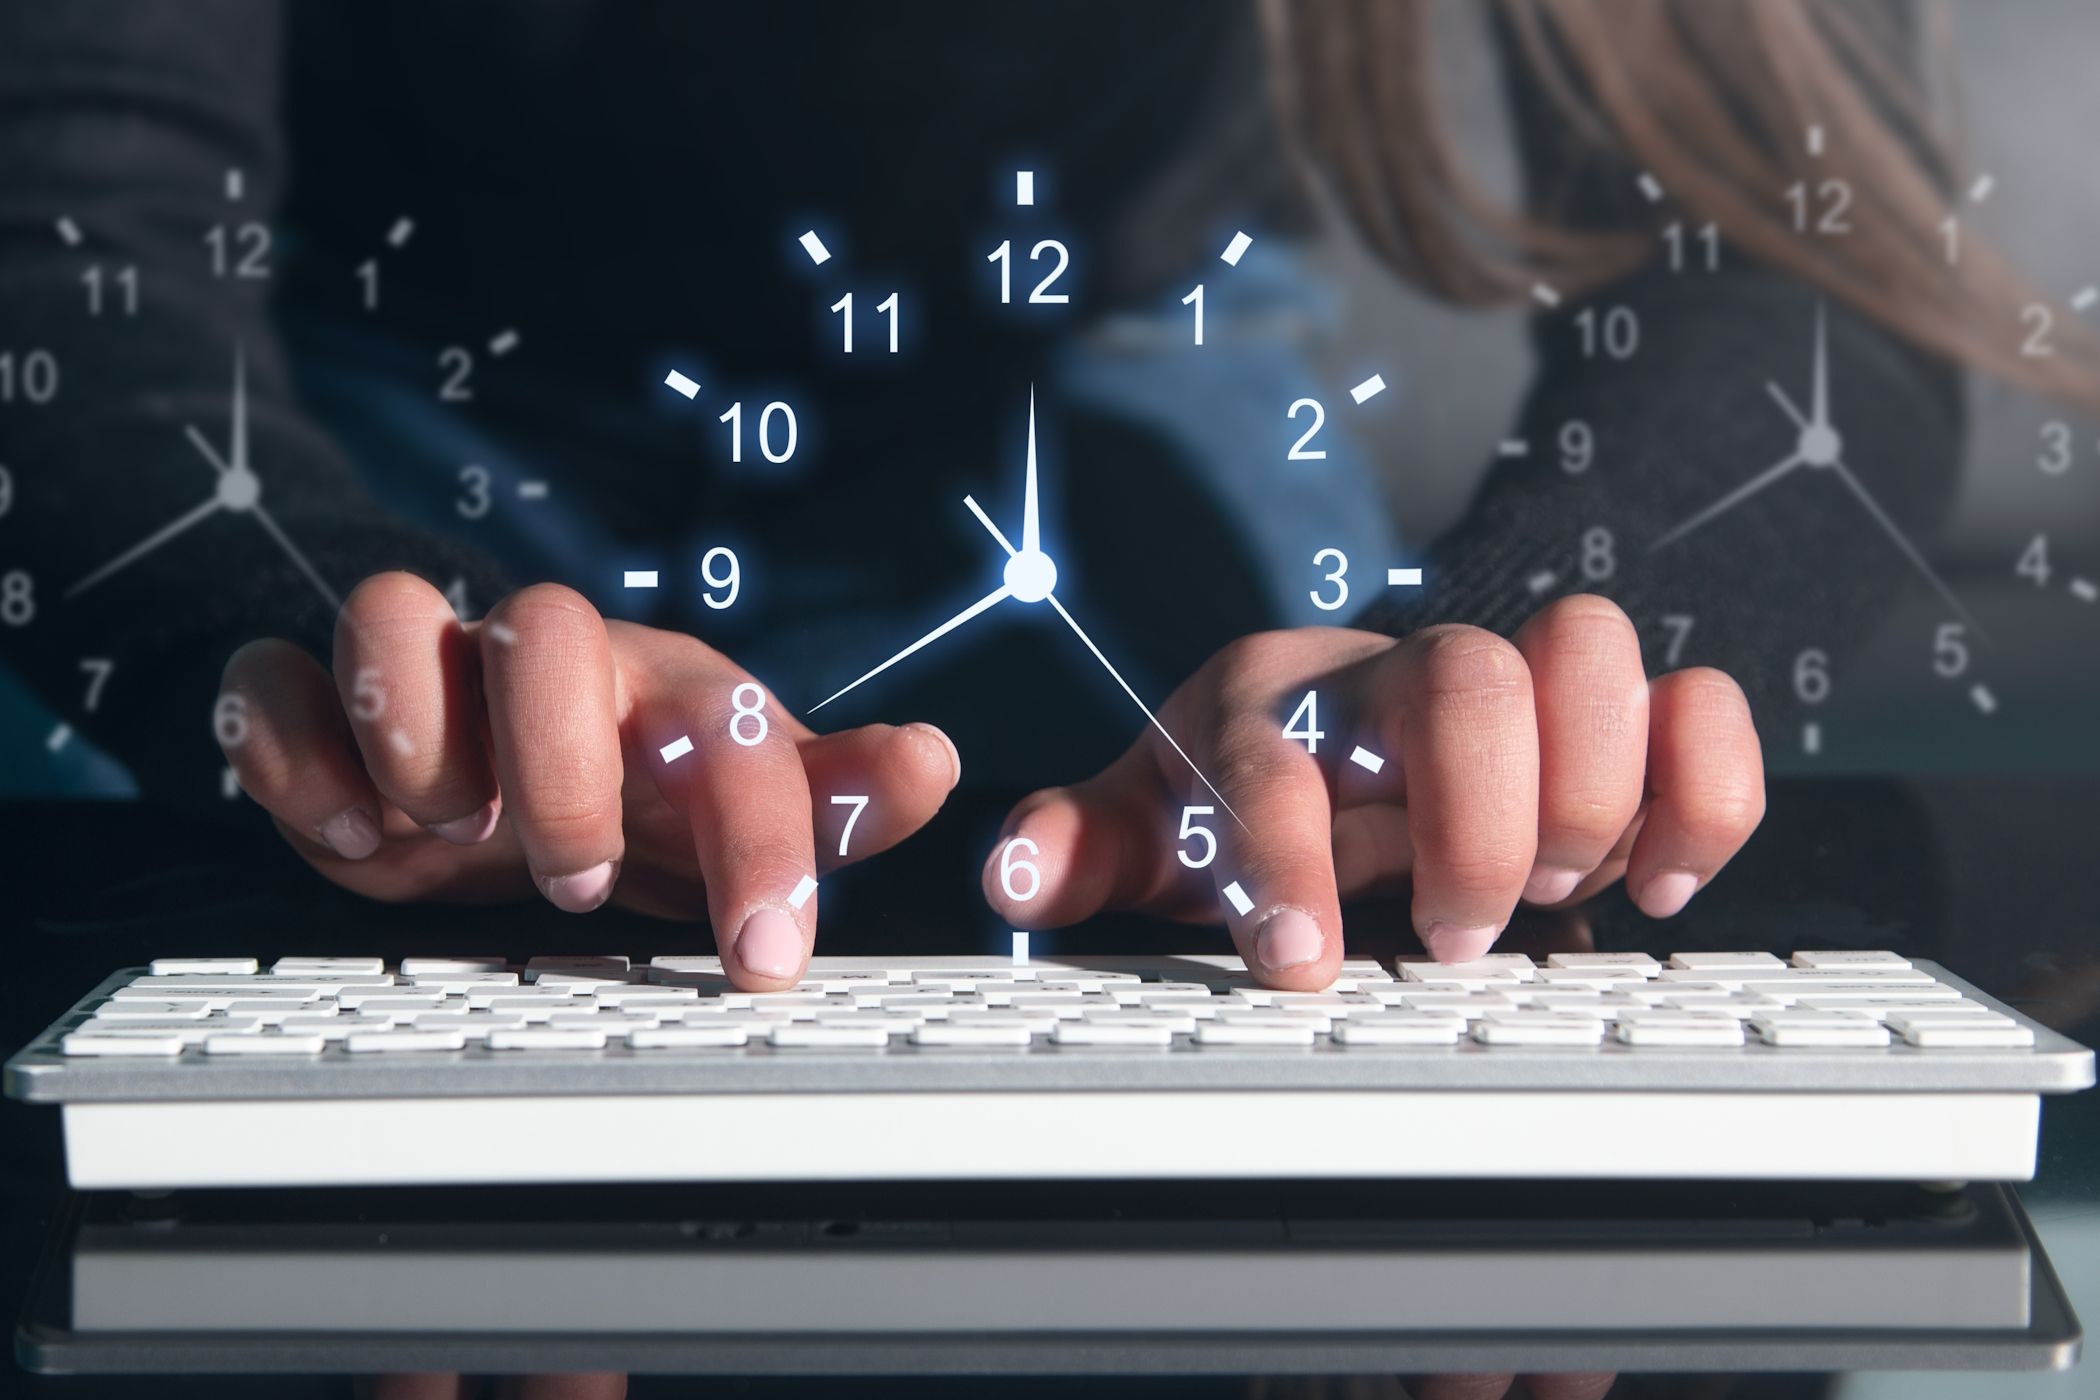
(777, 349)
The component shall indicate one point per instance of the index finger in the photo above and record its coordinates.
(1469, 752)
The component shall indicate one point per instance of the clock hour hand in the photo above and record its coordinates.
(982, 604)
(1728, 502)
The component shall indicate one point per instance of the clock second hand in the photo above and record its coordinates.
(1107, 665)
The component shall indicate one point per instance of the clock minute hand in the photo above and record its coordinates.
(987, 601)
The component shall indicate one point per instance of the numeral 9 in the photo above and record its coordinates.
(1578, 447)
(732, 581)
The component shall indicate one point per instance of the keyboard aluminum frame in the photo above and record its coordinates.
(43, 1073)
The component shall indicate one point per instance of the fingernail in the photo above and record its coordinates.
(1451, 943)
(954, 754)
(1667, 893)
(1288, 938)
(353, 834)
(1550, 884)
(582, 892)
(469, 830)
(770, 944)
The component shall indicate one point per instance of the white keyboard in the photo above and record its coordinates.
(203, 1072)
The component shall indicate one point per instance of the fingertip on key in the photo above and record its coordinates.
(583, 891)
(1289, 938)
(770, 944)
(1667, 894)
(1451, 943)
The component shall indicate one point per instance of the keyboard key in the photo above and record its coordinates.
(1638, 963)
(937, 1033)
(688, 1037)
(279, 1044)
(88, 1042)
(301, 967)
(152, 1011)
(548, 1038)
(1495, 965)
(168, 967)
(1819, 1030)
(1717, 962)
(808, 1034)
(1962, 1032)
(1680, 1031)
(1538, 1028)
(403, 1042)
(1400, 1028)
(1253, 1033)
(1077, 1032)
(442, 967)
(1880, 959)
(396, 999)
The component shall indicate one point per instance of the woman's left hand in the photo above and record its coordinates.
(1540, 769)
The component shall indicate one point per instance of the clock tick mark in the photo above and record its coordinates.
(1513, 447)
(1236, 249)
(1541, 581)
(1366, 760)
(814, 246)
(2084, 299)
(1985, 701)
(1811, 738)
(532, 490)
(59, 737)
(1981, 189)
(799, 896)
(1403, 578)
(1370, 389)
(639, 578)
(678, 748)
(2084, 591)
(1237, 898)
(1020, 945)
(1544, 295)
(1651, 188)
(1024, 187)
(683, 385)
(503, 342)
(69, 231)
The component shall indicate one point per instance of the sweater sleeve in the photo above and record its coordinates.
(130, 132)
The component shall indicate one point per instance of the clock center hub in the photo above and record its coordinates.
(239, 489)
(1820, 445)
(1031, 575)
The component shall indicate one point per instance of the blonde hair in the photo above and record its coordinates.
(1713, 99)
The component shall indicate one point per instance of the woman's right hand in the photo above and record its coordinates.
(525, 752)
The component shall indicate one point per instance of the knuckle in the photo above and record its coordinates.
(549, 612)
(1589, 815)
(1708, 698)
(1471, 664)
(570, 815)
(1586, 615)
(383, 597)
(1482, 867)
(1722, 816)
